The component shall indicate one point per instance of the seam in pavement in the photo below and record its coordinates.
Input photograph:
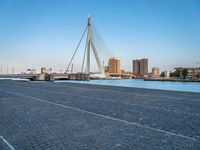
(102, 116)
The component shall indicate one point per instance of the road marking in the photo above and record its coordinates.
(102, 116)
(7, 143)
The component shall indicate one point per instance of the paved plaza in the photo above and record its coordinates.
(62, 116)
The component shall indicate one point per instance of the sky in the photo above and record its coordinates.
(45, 33)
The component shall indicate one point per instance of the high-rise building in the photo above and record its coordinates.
(155, 72)
(143, 67)
(140, 67)
(136, 67)
(114, 66)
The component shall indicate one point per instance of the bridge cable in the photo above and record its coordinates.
(84, 54)
(76, 49)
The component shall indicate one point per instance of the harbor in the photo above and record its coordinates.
(43, 115)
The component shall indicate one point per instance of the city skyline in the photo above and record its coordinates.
(44, 34)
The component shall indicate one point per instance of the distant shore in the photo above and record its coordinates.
(170, 79)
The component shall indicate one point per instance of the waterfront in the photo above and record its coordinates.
(49, 115)
(140, 83)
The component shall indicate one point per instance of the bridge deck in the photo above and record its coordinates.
(77, 116)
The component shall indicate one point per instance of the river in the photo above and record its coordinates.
(139, 83)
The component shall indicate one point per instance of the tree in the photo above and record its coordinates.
(198, 75)
(162, 74)
(177, 73)
(172, 74)
(184, 73)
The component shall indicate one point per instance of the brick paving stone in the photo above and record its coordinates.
(42, 115)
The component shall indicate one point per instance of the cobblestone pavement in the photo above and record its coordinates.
(45, 115)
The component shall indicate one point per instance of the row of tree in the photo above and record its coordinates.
(198, 75)
(179, 73)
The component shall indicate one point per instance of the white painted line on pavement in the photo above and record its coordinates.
(103, 116)
(7, 143)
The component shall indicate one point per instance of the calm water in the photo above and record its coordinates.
(175, 86)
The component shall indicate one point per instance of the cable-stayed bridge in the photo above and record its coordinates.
(85, 71)
(89, 47)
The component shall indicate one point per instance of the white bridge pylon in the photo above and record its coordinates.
(91, 46)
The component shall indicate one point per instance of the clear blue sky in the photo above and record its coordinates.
(37, 33)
